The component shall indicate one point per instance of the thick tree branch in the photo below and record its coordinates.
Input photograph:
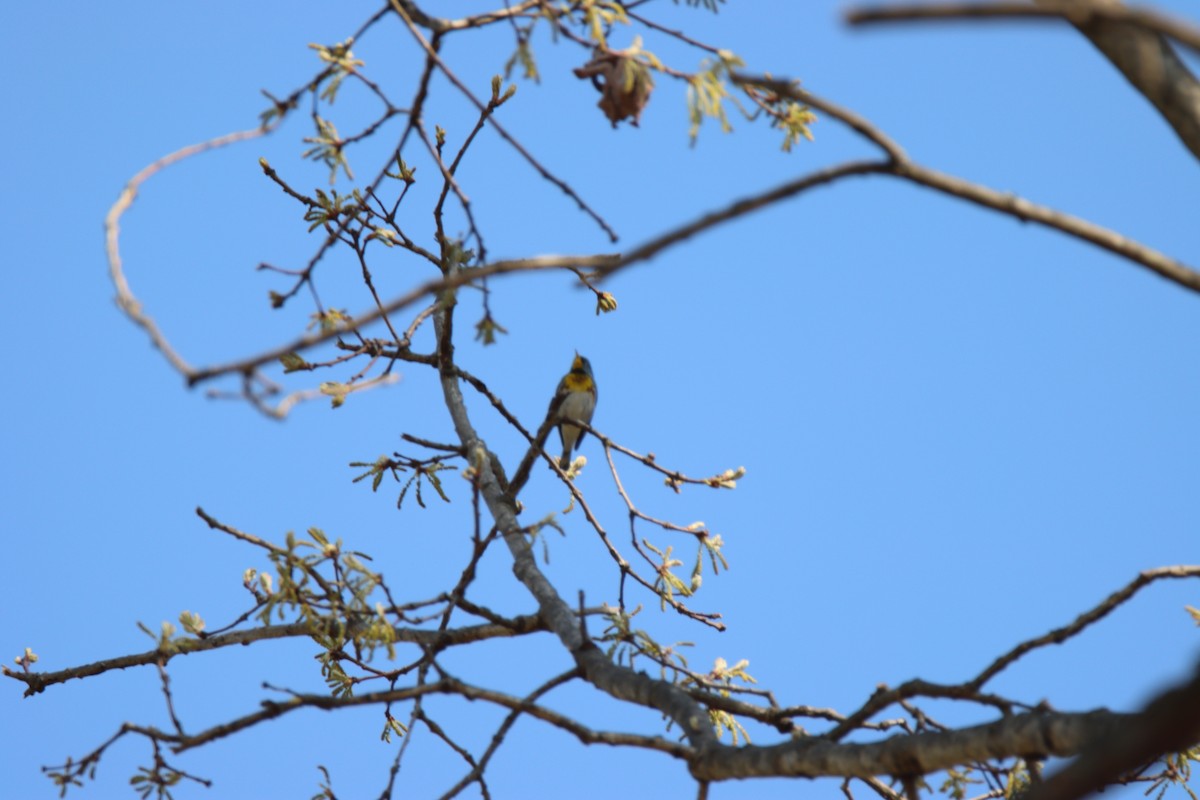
(1134, 40)
(1170, 723)
(596, 668)
(1035, 735)
(1076, 13)
(1111, 743)
(1151, 65)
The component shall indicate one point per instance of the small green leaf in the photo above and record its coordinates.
(292, 362)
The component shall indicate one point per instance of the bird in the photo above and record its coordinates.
(578, 392)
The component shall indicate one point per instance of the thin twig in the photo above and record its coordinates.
(504, 134)
(539, 263)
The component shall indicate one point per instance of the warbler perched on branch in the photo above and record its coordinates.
(578, 392)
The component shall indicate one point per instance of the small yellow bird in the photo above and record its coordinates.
(578, 390)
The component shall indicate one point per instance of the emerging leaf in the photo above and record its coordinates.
(292, 362)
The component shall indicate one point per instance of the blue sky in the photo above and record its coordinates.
(959, 431)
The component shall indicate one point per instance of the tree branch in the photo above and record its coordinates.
(431, 287)
(1170, 723)
(596, 668)
(901, 166)
(1032, 735)
(1134, 40)
(1076, 13)
(1060, 635)
(1025, 211)
(37, 682)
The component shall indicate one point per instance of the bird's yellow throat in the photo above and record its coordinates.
(578, 382)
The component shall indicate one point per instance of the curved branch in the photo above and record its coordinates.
(970, 690)
(898, 165)
(1005, 203)
(1170, 723)
(112, 237)
(1152, 67)
(1134, 40)
(1079, 14)
(1060, 635)
(1025, 211)
(740, 208)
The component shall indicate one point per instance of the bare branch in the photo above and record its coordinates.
(439, 25)
(1132, 39)
(498, 737)
(446, 685)
(740, 208)
(688, 701)
(536, 264)
(129, 303)
(1060, 635)
(1023, 210)
(402, 9)
(37, 682)
(1076, 13)
(1008, 204)
(619, 682)
(1169, 723)
(1032, 735)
